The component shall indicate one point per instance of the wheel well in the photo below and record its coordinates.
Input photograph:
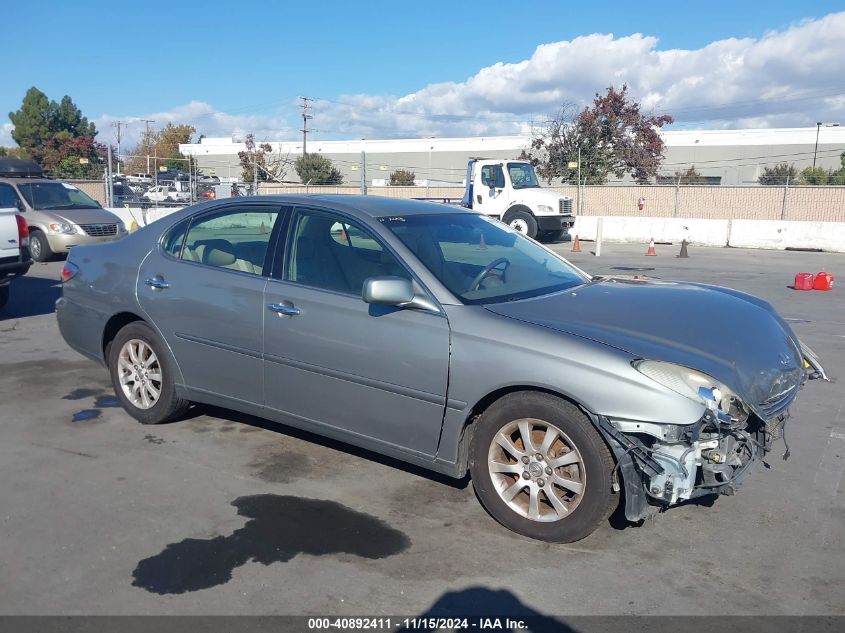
(482, 405)
(113, 326)
(517, 207)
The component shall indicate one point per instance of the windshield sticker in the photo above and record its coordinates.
(71, 187)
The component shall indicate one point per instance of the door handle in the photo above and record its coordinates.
(284, 310)
(157, 282)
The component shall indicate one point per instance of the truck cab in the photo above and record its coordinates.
(509, 191)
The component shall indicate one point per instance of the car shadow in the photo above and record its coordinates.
(198, 410)
(31, 296)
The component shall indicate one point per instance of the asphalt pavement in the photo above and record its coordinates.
(228, 514)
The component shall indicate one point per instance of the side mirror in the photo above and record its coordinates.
(395, 291)
(389, 291)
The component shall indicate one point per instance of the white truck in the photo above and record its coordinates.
(168, 193)
(14, 249)
(509, 191)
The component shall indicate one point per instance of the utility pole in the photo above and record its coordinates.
(109, 181)
(147, 136)
(363, 172)
(578, 212)
(305, 116)
(118, 125)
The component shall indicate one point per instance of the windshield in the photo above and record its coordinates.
(44, 196)
(522, 175)
(482, 260)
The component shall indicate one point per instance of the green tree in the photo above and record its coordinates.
(813, 176)
(689, 177)
(780, 174)
(316, 169)
(32, 120)
(402, 178)
(612, 136)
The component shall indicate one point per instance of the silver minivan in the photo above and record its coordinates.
(59, 215)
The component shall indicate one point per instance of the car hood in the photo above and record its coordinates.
(736, 338)
(537, 195)
(83, 216)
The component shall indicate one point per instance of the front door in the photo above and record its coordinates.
(491, 191)
(204, 291)
(332, 360)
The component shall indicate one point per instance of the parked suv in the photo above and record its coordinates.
(59, 216)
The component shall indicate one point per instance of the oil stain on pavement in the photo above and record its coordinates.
(279, 528)
(85, 415)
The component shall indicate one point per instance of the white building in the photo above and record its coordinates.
(727, 157)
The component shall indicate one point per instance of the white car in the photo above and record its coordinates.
(164, 193)
(139, 179)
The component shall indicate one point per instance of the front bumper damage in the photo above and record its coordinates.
(660, 465)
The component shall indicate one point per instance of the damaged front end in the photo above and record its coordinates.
(664, 464)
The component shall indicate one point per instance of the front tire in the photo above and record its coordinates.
(39, 247)
(540, 468)
(142, 375)
(523, 222)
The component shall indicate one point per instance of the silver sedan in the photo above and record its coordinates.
(442, 338)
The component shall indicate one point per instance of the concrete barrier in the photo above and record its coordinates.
(766, 234)
(828, 236)
(641, 230)
(142, 217)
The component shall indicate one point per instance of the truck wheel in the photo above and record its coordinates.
(523, 222)
(540, 468)
(551, 236)
(39, 247)
(4, 295)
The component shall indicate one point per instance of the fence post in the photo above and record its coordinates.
(363, 173)
(677, 197)
(785, 203)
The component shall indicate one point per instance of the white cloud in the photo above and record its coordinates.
(202, 116)
(785, 78)
(6, 135)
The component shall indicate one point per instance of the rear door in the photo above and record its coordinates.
(9, 202)
(332, 360)
(204, 291)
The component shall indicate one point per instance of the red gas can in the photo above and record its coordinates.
(804, 281)
(824, 281)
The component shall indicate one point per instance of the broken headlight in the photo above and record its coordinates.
(692, 384)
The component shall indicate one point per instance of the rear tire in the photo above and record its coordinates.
(554, 487)
(39, 247)
(551, 236)
(142, 375)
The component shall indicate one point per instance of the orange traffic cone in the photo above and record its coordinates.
(482, 245)
(343, 235)
(684, 253)
(576, 245)
(651, 252)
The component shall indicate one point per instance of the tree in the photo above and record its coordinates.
(402, 178)
(613, 135)
(780, 174)
(689, 177)
(813, 176)
(269, 169)
(57, 136)
(163, 149)
(316, 169)
(39, 119)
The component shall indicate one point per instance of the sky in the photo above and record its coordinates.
(411, 69)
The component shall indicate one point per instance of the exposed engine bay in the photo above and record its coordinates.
(664, 464)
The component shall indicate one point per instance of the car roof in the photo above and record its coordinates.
(371, 206)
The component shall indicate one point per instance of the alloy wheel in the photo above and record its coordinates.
(139, 373)
(537, 470)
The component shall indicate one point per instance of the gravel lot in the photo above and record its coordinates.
(227, 514)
